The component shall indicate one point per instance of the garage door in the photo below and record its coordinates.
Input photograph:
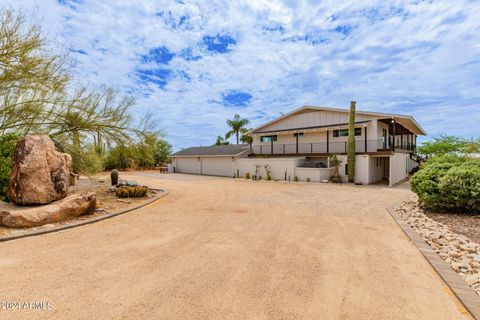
(218, 166)
(188, 165)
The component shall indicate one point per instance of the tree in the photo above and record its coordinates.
(351, 143)
(441, 145)
(246, 138)
(36, 95)
(33, 81)
(221, 141)
(471, 147)
(237, 124)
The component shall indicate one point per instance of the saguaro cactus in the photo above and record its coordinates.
(351, 143)
(114, 177)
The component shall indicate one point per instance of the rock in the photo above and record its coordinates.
(40, 174)
(69, 207)
(111, 189)
(132, 183)
(324, 181)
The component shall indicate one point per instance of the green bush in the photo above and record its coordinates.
(7, 148)
(426, 184)
(460, 188)
(449, 186)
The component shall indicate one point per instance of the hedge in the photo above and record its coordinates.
(449, 186)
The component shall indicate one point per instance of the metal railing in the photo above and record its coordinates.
(331, 148)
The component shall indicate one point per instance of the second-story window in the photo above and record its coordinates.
(268, 138)
(344, 132)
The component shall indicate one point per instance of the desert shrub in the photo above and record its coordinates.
(308, 179)
(7, 148)
(295, 178)
(91, 162)
(447, 158)
(449, 186)
(268, 172)
(426, 182)
(460, 188)
(122, 157)
(247, 175)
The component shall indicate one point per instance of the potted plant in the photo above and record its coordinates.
(335, 162)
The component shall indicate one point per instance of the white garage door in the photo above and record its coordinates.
(218, 166)
(188, 165)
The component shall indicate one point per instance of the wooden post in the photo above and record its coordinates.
(296, 136)
(401, 137)
(328, 143)
(366, 150)
(271, 145)
(393, 135)
(351, 143)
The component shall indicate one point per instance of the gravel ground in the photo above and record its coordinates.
(217, 248)
(448, 235)
(463, 224)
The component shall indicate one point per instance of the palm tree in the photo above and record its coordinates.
(221, 141)
(237, 124)
(246, 138)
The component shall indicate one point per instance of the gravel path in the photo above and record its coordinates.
(217, 248)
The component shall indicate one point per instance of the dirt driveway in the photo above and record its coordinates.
(217, 248)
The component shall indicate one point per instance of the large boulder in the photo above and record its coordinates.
(40, 174)
(72, 206)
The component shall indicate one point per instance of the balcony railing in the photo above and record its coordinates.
(331, 147)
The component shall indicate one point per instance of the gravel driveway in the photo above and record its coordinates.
(217, 248)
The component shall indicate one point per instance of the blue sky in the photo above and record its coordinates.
(194, 64)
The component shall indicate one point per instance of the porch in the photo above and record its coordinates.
(383, 136)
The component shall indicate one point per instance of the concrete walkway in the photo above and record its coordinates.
(217, 248)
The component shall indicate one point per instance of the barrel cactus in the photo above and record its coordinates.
(131, 191)
(114, 177)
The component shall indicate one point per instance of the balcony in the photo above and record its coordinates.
(361, 146)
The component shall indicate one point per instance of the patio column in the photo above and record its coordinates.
(271, 145)
(401, 137)
(393, 135)
(366, 150)
(328, 143)
(296, 142)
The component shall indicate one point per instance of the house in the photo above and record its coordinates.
(213, 160)
(298, 145)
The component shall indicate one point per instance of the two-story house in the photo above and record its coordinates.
(298, 146)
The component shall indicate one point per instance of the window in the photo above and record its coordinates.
(268, 138)
(346, 169)
(344, 132)
(300, 134)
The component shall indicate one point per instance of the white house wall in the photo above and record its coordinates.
(362, 166)
(314, 118)
(278, 166)
(398, 167)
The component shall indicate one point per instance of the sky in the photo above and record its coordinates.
(194, 64)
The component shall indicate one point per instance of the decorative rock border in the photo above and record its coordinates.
(464, 293)
(75, 224)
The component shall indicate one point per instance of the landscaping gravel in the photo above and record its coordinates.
(458, 250)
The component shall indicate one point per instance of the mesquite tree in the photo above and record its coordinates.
(351, 143)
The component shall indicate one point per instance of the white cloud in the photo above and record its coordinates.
(396, 56)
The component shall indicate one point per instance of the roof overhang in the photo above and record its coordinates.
(211, 155)
(410, 123)
(313, 129)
